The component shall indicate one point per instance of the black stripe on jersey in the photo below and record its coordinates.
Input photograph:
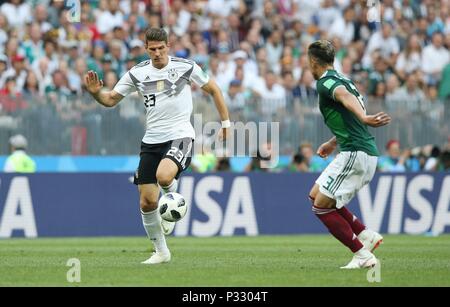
(181, 82)
(175, 59)
(150, 87)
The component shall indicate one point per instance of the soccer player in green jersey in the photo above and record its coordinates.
(342, 107)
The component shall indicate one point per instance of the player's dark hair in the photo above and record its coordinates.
(322, 51)
(156, 34)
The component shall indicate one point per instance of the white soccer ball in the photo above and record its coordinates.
(172, 207)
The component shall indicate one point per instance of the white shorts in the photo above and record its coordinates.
(345, 175)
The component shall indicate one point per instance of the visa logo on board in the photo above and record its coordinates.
(18, 213)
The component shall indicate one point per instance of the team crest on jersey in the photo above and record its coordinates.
(173, 74)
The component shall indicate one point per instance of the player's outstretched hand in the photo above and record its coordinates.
(326, 149)
(377, 120)
(92, 83)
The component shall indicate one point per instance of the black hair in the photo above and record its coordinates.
(322, 51)
(156, 34)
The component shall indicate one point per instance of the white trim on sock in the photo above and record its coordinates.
(172, 187)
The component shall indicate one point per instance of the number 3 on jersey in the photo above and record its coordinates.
(149, 100)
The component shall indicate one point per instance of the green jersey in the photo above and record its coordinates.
(351, 134)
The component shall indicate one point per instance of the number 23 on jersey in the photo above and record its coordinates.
(149, 100)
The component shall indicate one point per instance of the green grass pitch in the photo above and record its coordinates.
(303, 260)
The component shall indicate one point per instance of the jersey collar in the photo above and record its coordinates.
(325, 73)
(168, 63)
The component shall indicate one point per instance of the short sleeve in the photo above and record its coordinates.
(198, 76)
(327, 87)
(125, 86)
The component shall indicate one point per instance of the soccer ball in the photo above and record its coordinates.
(172, 207)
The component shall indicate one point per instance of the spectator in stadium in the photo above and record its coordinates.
(50, 49)
(314, 162)
(408, 97)
(110, 17)
(33, 48)
(305, 90)
(32, 89)
(432, 162)
(19, 161)
(137, 50)
(40, 17)
(434, 58)
(61, 98)
(11, 98)
(444, 161)
(327, 15)
(18, 12)
(43, 73)
(235, 97)
(17, 71)
(298, 164)
(272, 95)
(384, 41)
(261, 161)
(410, 59)
(117, 57)
(394, 161)
(379, 74)
(95, 59)
(274, 48)
(75, 75)
(3, 64)
(344, 26)
(444, 85)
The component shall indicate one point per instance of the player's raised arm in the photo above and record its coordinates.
(213, 89)
(352, 104)
(94, 87)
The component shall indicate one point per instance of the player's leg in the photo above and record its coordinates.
(165, 174)
(371, 239)
(175, 161)
(167, 170)
(324, 208)
(145, 179)
(148, 199)
(331, 186)
(357, 226)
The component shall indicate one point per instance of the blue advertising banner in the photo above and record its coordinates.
(222, 204)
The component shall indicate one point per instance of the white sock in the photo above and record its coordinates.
(363, 253)
(172, 187)
(152, 225)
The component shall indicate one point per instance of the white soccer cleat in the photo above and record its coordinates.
(370, 239)
(362, 259)
(157, 258)
(167, 227)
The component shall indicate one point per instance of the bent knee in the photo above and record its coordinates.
(164, 178)
(147, 206)
(324, 202)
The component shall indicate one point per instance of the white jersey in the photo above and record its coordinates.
(167, 97)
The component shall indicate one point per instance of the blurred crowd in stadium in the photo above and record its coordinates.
(255, 49)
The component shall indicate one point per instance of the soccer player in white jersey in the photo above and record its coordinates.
(164, 84)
